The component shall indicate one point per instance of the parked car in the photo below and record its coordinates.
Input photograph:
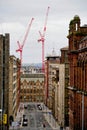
(39, 106)
(25, 106)
(25, 122)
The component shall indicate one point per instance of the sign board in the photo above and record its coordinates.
(4, 118)
(0, 110)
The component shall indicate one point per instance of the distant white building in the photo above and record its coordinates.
(30, 69)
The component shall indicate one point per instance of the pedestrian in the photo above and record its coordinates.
(44, 125)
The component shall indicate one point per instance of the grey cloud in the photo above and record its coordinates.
(21, 11)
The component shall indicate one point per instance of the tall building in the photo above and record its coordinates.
(57, 91)
(50, 59)
(59, 80)
(65, 61)
(4, 80)
(14, 87)
(78, 75)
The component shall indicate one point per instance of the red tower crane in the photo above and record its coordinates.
(20, 49)
(42, 38)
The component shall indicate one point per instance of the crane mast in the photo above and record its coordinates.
(21, 45)
(42, 37)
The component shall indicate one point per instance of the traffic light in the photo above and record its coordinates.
(4, 118)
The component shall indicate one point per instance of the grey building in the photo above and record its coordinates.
(4, 80)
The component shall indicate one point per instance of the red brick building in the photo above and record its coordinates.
(78, 75)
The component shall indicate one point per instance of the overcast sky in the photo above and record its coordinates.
(15, 15)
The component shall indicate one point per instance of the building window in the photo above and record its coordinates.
(76, 26)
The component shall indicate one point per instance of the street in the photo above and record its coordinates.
(33, 112)
(35, 117)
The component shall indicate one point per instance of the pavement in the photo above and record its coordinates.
(50, 119)
(19, 116)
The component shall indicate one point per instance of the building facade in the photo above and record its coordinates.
(18, 71)
(78, 75)
(32, 88)
(4, 80)
(14, 91)
(65, 61)
(51, 59)
(57, 81)
(56, 85)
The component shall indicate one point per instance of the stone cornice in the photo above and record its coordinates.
(77, 90)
